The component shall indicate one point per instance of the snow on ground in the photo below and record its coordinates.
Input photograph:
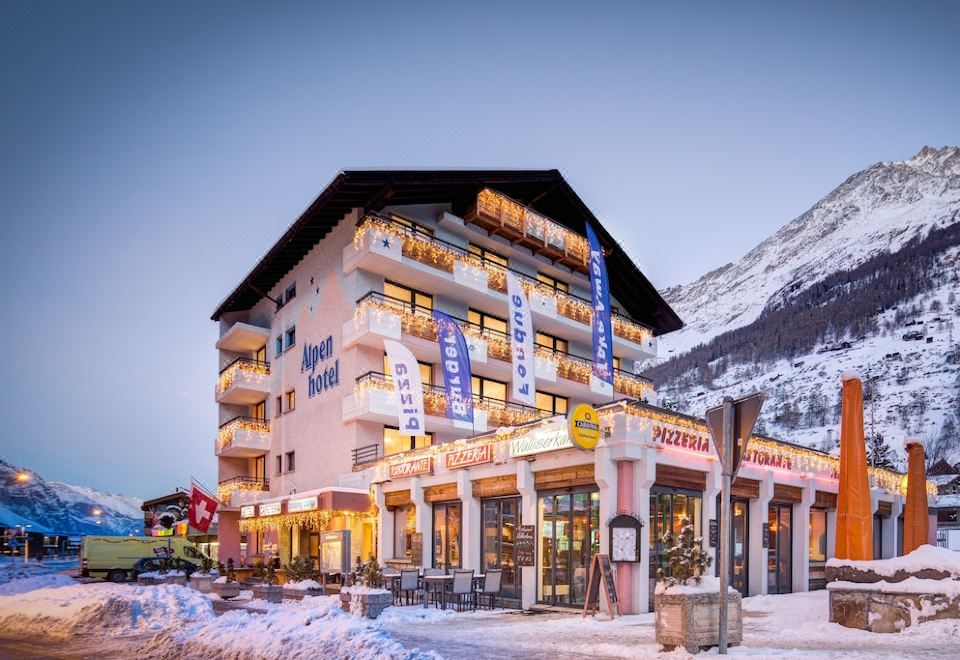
(17, 577)
(924, 557)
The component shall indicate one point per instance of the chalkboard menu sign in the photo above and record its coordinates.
(523, 545)
(714, 534)
(416, 548)
(601, 573)
(766, 535)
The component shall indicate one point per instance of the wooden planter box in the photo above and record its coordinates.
(272, 593)
(226, 590)
(299, 594)
(365, 605)
(692, 621)
(202, 583)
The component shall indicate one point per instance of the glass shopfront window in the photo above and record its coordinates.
(877, 536)
(668, 508)
(818, 549)
(404, 526)
(446, 534)
(780, 549)
(569, 524)
(500, 519)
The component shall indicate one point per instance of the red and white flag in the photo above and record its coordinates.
(202, 508)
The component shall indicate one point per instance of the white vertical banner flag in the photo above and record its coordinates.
(407, 386)
(521, 342)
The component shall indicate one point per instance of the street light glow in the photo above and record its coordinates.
(23, 477)
(97, 511)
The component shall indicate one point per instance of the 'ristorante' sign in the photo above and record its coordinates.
(410, 468)
(468, 456)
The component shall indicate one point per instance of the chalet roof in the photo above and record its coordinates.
(545, 191)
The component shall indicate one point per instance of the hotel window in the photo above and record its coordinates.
(552, 403)
(279, 464)
(410, 224)
(259, 410)
(551, 342)
(261, 354)
(487, 321)
(616, 364)
(291, 400)
(291, 337)
(404, 527)
(407, 295)
(279, 345)
(818, 535)
(488, 255)
(278, 406)
(291, 292)
(394, 443)
(553, 282)
(491, 389)
(426, 370)
(291, 461)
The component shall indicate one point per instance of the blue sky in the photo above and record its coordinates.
(153, 151)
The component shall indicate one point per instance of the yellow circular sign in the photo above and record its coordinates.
(584, 425)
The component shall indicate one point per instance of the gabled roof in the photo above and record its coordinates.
(545, 191)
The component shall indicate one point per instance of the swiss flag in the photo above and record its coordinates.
(202, 508)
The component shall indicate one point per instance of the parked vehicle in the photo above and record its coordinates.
(151, 564)
(113, 557)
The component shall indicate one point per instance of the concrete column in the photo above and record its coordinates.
(889, 541)
(423, 520)
(528, 516)
(710, 512)
(625, 503)
(801, 537)
(644, 476)
(385, 549)
(758, 554)
(469, 523)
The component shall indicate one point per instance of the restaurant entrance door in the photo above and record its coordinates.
(668, 508)
(500, 519)
(569, 523)
(780, 549)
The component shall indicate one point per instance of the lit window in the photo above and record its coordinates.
(551, 342)
(407, 295)
(818, 535)
(552, 403)
(291, 337)
(394, 443)
(553, 282)
(616, 363)
(410, 224)
(426, 370)
(487, 321)
(488, 255)
(291, 461)
(488, 388)
(291, 292)
(259, 410)
(291, 400)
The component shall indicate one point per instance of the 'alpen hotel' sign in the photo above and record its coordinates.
(314, 355)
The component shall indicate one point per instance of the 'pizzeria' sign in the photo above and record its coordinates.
(411, 468)
(681, 439)
(468, 456)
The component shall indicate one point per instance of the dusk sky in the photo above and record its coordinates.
(152, 152)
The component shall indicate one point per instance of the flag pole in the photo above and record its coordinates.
(202, 486)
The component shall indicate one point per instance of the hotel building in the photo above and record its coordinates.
(308, 439)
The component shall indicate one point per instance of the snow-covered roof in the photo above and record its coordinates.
(948, 501)
(942, 479)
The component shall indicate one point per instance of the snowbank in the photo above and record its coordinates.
(924, 557)
(709, 584)
(301, 585)
(47, 581)
(360, 589)
(912, 585)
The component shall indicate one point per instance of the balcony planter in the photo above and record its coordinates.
(202, 582)
(365, 601)
(226, 590)
(297, 590)
(688, 617)
(272, 593)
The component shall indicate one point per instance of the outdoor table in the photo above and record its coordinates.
(440, 580)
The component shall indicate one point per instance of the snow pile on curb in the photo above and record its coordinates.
(45, 581)
(302, 585)
(926, 556)
(912, 585)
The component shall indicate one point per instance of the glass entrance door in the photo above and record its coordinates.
(500, 520)
(739, 545)
(668, 508)
(779, 549)
(569, 537)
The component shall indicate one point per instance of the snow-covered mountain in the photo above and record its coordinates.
(867, 279)
(55, 507)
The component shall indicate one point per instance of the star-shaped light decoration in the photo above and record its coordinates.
(386, 243)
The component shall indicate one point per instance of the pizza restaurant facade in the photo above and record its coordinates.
(527, 500)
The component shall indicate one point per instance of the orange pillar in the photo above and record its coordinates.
(916, 521)
(854, 510)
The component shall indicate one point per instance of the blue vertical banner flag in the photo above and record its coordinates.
(408, 387)
(521, 343)
(455, 358)
(600, 297)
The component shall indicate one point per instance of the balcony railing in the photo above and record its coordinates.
(502, 216)
(229, 374)
(366, 454)
(499, 413)
(440, 254)
(418, 321)
(226, 487)
(225, 434)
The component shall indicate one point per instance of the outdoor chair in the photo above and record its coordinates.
(409, 584)
(490, 588)
(462, 590)
(434, 587)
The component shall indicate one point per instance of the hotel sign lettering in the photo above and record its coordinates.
(248, 511)
(270, 509)
(411, 468)
(328, 377)
(302, 504)
(541, 441)
(681, 438)
(468, 456)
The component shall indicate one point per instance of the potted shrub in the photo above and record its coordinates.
(301, 579)
(364, 596)
(687, 601)
(269, 590)
(202, 581)
(225, 585)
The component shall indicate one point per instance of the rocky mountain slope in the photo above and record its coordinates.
(55, 507)
(867, 279)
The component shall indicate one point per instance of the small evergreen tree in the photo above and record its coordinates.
(686, 559)
(879, 453)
